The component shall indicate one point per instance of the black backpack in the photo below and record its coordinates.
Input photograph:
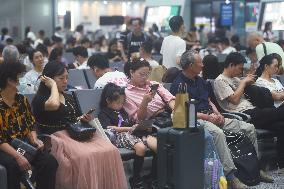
(244, 157)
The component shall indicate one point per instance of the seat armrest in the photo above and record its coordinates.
(245, 117)
(232, 116)
(110, 135)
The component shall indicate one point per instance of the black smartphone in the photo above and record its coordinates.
(91, 111)
(154, 87)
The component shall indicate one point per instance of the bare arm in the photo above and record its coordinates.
(142, 111)
(277, 96)
(172, 104)
(178, 60)
(236, 97)
(53, 101)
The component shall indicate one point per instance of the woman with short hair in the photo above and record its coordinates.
(17, 121)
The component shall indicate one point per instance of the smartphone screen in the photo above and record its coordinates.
(154, 87)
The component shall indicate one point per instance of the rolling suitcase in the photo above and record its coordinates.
(181, 158)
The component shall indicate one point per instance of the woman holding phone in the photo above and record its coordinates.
(93, 164)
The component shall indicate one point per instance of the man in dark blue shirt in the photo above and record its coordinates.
(209, 116)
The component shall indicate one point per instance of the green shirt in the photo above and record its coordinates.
(270, 48)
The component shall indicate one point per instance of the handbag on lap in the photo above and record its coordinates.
(81, 131)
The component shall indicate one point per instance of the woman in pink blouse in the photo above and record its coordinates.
(141, 102)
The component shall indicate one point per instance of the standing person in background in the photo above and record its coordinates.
(267, 32)
(135, 38)
(29, 34)
(103, 44)
(79, 33)
(173, 45)
(4, 35)
(39, 40)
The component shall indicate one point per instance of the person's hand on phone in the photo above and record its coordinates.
(148, 97)
(249, 79)
(87, 118)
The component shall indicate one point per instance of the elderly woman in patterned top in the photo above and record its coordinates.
(17, 121)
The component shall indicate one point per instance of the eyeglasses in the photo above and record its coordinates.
(144, 74)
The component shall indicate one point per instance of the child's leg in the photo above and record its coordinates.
(152, 143)
(140, 149)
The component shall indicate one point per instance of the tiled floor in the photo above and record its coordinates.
(278, 176)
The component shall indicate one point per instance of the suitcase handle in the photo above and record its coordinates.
(169, 164)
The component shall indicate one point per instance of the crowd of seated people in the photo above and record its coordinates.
(126, 100)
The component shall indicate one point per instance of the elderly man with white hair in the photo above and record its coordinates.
(262, 48)
(10, 54)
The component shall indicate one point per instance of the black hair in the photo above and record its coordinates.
(157, 45)
(41, 32)
(147, 46)
(80, 51)
(111, 92)
(1, 48)
(266, 26)
(234, 58)
(175, 23)
(9, 40)
(85, 40)
(225, 41)
(135, 64)
(235, 39)
(111, 43)
(79, 28)
(98, 60)
(43, 49)
(10, 70)
(267, 60)
(47, 42)
(58, 28)
(54, 54)
(21, 48)
(27, 30)
(4, 32)
(280, 42)
(56, 39)
(71, 40)
(140, 21)
(51, 70)
(211, 67)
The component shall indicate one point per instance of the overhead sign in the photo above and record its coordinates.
(226, 14)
